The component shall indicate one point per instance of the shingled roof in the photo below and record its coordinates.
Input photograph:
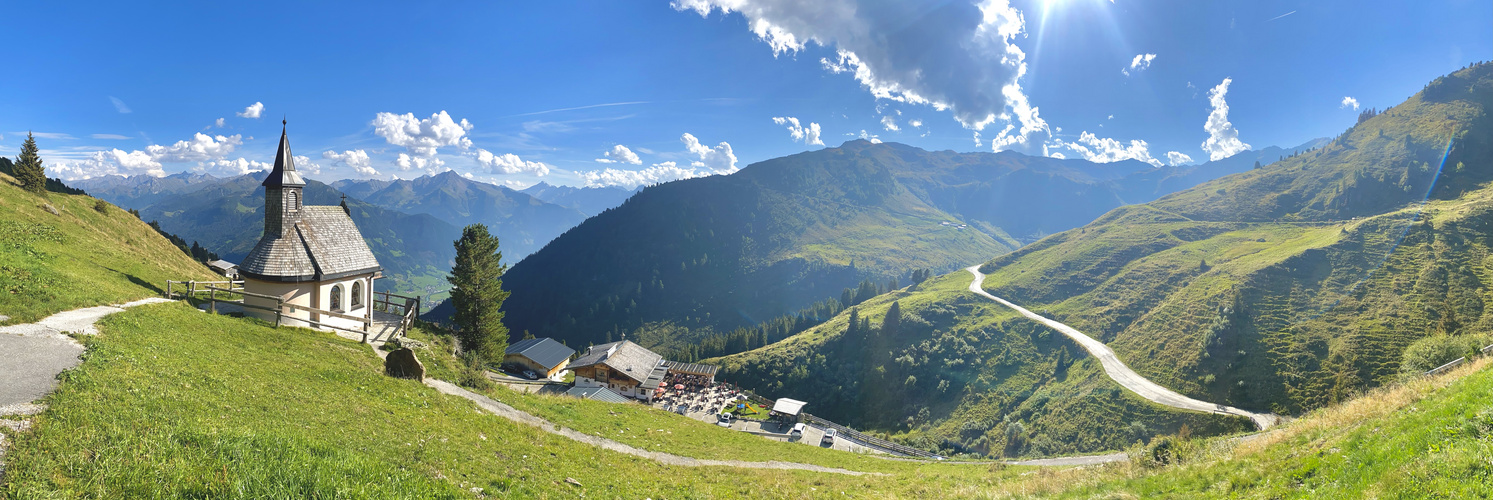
(629, 359)
(323, 244)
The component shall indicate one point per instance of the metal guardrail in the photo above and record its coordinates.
(869, 441)
(1455, 363)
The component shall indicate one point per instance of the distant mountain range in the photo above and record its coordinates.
(587, 200)
(523, 223)
(716, 253)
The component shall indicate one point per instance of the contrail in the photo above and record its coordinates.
(1280, 16)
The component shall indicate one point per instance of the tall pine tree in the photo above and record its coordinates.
(477, 293)
(893, 320)
(28, 169)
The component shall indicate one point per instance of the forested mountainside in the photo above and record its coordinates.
(695, 259)
(1283, 288)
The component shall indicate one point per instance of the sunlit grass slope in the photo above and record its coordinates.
(80, 257)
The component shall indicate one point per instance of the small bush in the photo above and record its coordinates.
(1430, 352)
(101, 206)
(1161, 452)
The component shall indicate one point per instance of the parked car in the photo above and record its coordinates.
(529, 374)
(798, 430)
(829, 437)
(724, 420)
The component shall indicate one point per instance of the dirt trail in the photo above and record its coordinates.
(1117, 370)
(515, 415)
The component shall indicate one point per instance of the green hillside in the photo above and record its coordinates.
(79, 257)
(690, 260)
(1282, 289)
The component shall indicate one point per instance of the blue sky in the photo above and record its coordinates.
(519, 93)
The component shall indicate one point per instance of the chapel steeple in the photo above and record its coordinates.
(282, 190)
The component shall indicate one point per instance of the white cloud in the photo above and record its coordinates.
(958, 56)
(915, 123)
(510, 164)
(253, 111)
(201, 148)
(304, 164)
(977, 140)
(219, 123)
(1104, 150)
(115, 137)
(1349, 101)
(48, 135)
(110, 162)
(656, 174)
(869, 137)
(889, 123)
(119, 105)
(429, 164)
(620, 154)
(238, 167)
(1140, 63)
(719, 159)
(1223, 139)
(809, 134)
(357, 159)
(1175, 158)
(422, 137)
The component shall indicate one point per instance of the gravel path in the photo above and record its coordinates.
(36, 352)
(515, 415)
(1117, 370)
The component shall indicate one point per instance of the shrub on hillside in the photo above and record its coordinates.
(1436, 350)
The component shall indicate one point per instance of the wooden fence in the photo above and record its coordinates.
(410, 305)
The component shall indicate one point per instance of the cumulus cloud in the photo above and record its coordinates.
(510, 164)
(219, 123)
(422, 137)
(357, 160)
(871, 137)
(977, 140)
(1140, 63)
(809, 134)
(657, 174)
(1223, 139)
(238, 167)
(1175, 158)
(956, 56)
(889, 123)
(304, 164)
(1104, 150)
(620, 154)
(428, 164)
(119, 105)
(1349, 102)
(253, 111)
(200, 148)
(915, 123)
(719, 159)
(109, 162)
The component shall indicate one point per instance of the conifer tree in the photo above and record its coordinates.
(477, 293)
(28, 169)
(893, 320)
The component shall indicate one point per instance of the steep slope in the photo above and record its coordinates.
(228, 217)
(79, 257)
(587, 200)
(523, 223)
(1281, 289)
(714, 254)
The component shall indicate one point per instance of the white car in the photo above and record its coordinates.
(724, 420)
(798, 430)
(829, 437)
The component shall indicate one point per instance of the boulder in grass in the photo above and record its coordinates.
(402, 364)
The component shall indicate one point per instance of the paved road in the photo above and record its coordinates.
(1117, 369)
(36, 352)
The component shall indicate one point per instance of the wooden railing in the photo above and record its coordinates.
(193, 289)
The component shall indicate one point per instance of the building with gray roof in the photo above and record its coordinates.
(624, 367)
(597, 393)
(312, 257)
(544, 356)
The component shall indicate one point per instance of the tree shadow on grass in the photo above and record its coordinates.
(140, 282)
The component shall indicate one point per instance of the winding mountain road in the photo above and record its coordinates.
(1117, 370)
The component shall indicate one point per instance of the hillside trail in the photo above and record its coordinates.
(1117, 370)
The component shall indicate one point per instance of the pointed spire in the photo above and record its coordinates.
(284, 173)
